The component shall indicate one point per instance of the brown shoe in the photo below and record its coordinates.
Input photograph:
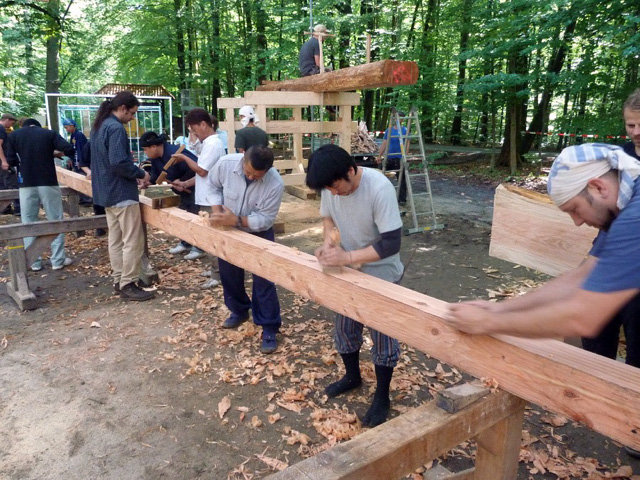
(134, 293)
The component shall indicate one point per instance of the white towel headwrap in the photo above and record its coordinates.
(575, 166)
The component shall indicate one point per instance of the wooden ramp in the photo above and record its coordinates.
(528, 229)
(596, 391)
(385, 73)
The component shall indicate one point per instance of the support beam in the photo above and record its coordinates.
(529, 230)
(599, 392)
(49, 227)
(399, 446)
(386, 73)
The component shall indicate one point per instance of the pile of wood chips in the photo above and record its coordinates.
(361, 141)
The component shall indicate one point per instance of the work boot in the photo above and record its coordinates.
(235, 320)
(269, 343)
(132, 292)
(351, 379)
(379, 409)
(67, 261)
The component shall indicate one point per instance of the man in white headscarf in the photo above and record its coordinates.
(250, 134)
(597, 185)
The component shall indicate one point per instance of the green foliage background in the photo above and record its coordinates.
(467, 89)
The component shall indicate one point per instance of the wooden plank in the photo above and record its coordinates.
(274, 99)
(301, 192)
(399, 446)
(385, 73)
(294, 179)
(285, 164)
(291, 126)
(14, 193)
(35, 229)
(529, 230)
(596, 391)
(237, 102)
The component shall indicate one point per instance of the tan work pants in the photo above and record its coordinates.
(126, 243)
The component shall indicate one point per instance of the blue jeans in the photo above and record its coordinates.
(264, 297)
(51, 199)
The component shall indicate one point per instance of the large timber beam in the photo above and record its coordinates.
(530, 230)
(386, 73)
(601, 393)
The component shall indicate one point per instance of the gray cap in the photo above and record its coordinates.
(8, 116)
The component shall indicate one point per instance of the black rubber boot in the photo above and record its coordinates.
(351, 378)
(379, 409)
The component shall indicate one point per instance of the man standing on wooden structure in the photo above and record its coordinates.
(250, 134)
(247, 192)
(114, 181)
(361, 204)
(31, 149)
(310, 57)
(8, 177)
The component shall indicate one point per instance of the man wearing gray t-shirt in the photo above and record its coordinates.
(361, 204)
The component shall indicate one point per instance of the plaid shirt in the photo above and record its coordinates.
(113, 173)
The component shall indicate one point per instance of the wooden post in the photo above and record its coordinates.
(73, 208)
(148, 276)
(499, 448)
(18, 287)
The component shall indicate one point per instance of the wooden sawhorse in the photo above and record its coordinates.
(403, 444)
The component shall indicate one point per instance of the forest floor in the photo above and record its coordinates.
(96, 388)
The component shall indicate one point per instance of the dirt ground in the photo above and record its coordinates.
(95, 388)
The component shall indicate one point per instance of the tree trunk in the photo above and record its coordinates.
(428, 58)
(456, 127)
(180, 49)
(53, 58)
(509, 154)
(261, 40)
(553, 69)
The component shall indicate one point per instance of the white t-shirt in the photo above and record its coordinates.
(363, 215)
(212, 150)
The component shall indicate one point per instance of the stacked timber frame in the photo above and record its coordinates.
(599, 392)
(296, 127)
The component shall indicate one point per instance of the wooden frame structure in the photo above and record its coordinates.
(297, 126)
(599, 392)
(528, 229)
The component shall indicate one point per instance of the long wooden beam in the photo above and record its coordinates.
(598, 392)
(48, 227)
(529, 230)
(385, 73)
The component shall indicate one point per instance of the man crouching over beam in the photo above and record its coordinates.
(361, 204)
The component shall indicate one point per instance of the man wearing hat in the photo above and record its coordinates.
(309, 58)
(8, 177)
(78, 140)
(250, 134)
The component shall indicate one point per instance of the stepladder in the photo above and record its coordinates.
(404, 157)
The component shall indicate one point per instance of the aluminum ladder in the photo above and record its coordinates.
(412, 168)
